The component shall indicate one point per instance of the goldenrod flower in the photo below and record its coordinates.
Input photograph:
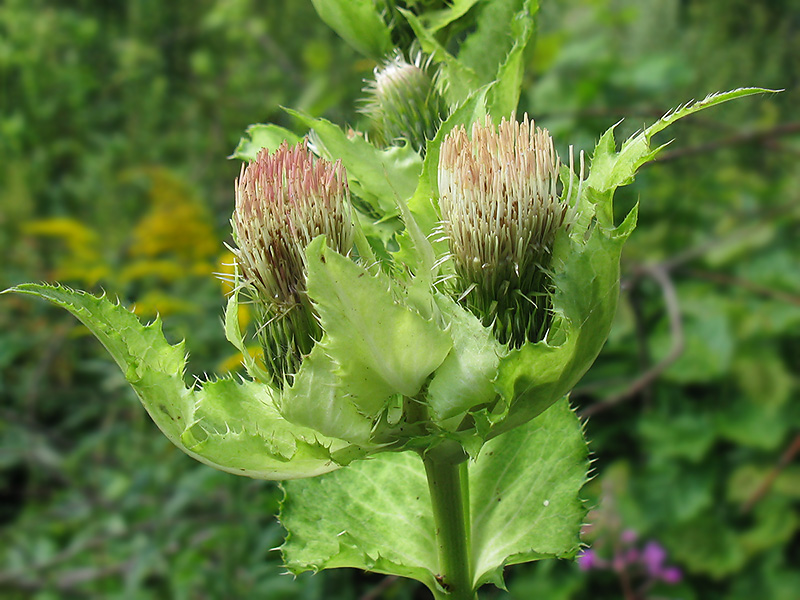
(500, 212)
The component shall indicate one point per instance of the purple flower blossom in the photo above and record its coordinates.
(587, 559)
(628, 536)
(671, 575)
(653, 557)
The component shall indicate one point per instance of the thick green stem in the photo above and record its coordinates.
(449, 497)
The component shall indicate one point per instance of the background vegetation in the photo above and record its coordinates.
(115, 121)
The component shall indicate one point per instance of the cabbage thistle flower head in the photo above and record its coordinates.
(501, 210)
(283, 201)
(403, 102)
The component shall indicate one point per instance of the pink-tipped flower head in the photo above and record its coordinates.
(283, 201)
(501, 210)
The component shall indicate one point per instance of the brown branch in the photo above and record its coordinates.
(763, 135)
(376, 591)
(786, 458)
(754, 224)
(761, 290)
(660, 274)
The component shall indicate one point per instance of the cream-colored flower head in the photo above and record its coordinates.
(501, 209)
(283, 201)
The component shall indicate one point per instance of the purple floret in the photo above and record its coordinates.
(587, 559)
(653, 557)
(671, 575)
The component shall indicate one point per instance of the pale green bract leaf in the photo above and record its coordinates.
(359, 23)
(464, 381)
(586, 280)
(612, 169)
(382, 347)
(524, 502)
(524, 494)
(316, 400)
(393, 532)
(231, 426)
(261, 136)
(376, 176)
(233, 334)
(238, 429)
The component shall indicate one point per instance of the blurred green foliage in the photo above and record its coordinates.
(115, 121)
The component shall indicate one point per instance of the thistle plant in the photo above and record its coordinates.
(418, 353)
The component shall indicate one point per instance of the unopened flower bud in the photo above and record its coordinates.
(500, 213)
(403, 102)
(283, 201)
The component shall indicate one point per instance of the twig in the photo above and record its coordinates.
(754, 224)
(625, 584)
(376, 591)
(660, 274)
(641, 338)
(764, 135)
(786, 458)
(723, 279)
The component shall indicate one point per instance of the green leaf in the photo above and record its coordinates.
(489, 45)
(690, 434)
(381, 346)
(359, 23)
(231, 426)
(504, 95)
(393, 532)
(459, 80)
(707, 543)
(234, 335)
(709, 342)
(260, 136)
(435, 20)
(464, 380)
(316, 400)
(754, 424)
(376, 176)
(524, 494)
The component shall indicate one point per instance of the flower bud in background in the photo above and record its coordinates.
(403, 103)
(283, 201)
(500, 213)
